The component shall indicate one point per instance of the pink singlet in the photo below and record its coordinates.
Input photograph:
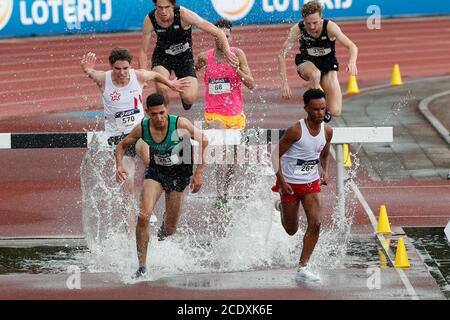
(223, 88)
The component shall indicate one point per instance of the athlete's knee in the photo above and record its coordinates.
(143, 220)
(314, 78)
(335, 109)
(314, 226)
(188, 99)
(291, 229)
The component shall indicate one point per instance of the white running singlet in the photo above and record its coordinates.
(300, 163)
(123, 105)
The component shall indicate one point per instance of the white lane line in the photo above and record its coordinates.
(409, 288)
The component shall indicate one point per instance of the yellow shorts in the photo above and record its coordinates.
(230, 122)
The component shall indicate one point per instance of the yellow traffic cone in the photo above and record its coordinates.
(352, 85)
(347, 159)
(396, 77)
(383, 221)
(401, 257)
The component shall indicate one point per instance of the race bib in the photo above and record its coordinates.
(219, 86)
(177, 48)
(305, 167)
(318, 52)
(166, 160)
(127, 118)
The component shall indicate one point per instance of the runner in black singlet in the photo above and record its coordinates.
(173, 51)
(316, 62)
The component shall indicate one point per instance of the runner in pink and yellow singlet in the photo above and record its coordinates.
(224, 105)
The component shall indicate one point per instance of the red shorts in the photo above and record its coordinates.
(299, 190)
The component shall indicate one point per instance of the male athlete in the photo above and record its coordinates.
(173, 52)
(296, 161)
(316, 62)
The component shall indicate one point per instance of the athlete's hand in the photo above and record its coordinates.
(352, 69)
(121, 174)
(324, 178)
(178, 84)
(196, 183)
(88, 61)
(286, 90)
(286, 188)
(232, 58)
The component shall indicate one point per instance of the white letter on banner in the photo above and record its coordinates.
(35, 12)
(55, 4)
(347, 4)
(296, 5)
(327, 4)
(374, 20)
(70, 11)
(97, 10)
(108, 14)
(23, 14)
(267, 7)
(85, 10)
(281, 5)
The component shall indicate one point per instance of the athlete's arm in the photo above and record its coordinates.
(243, 70)
(87, 64)
(145, 44)
(199, 136)
(335, 32)
(293, 37)
(202, 60)
(132, 137)
(191, 18)
(291, 135)
(176, 84)
(324, 155)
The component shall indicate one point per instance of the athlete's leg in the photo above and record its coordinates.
(150, 194)
(189, 94)
(289, 216)
(128, 193)
(309, 72)
(332, 89)
(172, 215)
(220, 169)
(162, 88)
(311, 205)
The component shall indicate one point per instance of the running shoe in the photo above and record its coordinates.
(161, 233)
(304, 275)
(140, 273)
(327, 117)
(221, 203)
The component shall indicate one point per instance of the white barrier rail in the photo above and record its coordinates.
(341, 136)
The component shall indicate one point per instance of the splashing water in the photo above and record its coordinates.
(248, 236)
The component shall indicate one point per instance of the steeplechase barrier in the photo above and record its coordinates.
(341, 136)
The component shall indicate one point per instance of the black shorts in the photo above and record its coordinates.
(323, 64)
(182, 65)
(174, 178)
(130, 151)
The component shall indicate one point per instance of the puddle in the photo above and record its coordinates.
(433, 246)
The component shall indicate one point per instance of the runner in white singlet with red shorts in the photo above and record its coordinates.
(296, 161)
